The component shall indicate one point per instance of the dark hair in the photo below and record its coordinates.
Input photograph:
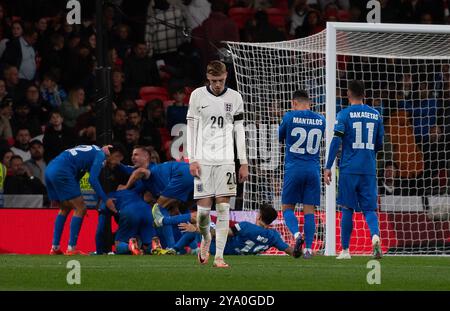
(134, 110)
(132, 128)
(35, 142)
(53, 112)
(356, 87)
(22, 128)
(15, 157)
(268, 213)
(300, 94)
(118, 147)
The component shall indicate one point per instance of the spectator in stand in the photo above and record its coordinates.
(154, 112)
(5, 157)
(16, 32)
(164, 29)
(422, 111)
(20, 181)
(119, 124)
(260, 30)
(114, 60)
(42, 42)
(57, 137)
(36, 165)
(88, 135)
(148, 133)
(73, 107)
(389, 183)
(132, 138)
(196, 11)
(426, 18)
(24, 119)
(21, 54)
(356, 15)
(177, 112)
(4, 23)
(218, 27)
(5, 125)
(299, 10)
(14, 86)
(128, 104)
(119, 94)
(140, 70)
(122, 43)
(51, 92)
(3, 92)
(79, 68)
(312, 24)
(39, 108)
(22, 144)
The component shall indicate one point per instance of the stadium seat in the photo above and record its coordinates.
(406, 153)
(241, 15)
(148, 93)
(282, 4)
(277, 17)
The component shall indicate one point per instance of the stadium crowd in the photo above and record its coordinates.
(158, 51)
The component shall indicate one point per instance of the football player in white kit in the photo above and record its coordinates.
(215, 121)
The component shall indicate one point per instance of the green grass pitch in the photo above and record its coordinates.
(261, 273)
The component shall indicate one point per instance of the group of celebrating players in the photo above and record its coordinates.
(215, 125)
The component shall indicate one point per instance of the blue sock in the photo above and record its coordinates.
(75, 226)
(99, 234)
(167, 230)
(122, 248)
(184, 241)
(346, 227)
(290, 220)
(175, 220)
(372, 222)
(58, 229)
(310, 229)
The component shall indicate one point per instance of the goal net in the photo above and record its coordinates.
(406, 73)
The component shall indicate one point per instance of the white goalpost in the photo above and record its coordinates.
(406, 72)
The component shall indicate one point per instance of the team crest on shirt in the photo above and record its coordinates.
(228, 107)
(199, 187)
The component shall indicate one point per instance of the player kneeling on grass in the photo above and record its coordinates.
(302, 130)
(62, 178)
(170, 182)
(244, 238)
(135, 222)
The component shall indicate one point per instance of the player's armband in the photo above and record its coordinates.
(239, 117)
(338, 134)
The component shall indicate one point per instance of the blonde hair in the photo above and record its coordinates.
(216, 68)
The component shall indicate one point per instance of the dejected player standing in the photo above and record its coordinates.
(62, 178)
(302, 130)
(359, 128)
(215, 121)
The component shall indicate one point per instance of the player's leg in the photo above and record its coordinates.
(162, 206)
(292, 193)
(126, 241)
(367, 196)
(349, 202)
(204, 192)
(311, 198)
(79, 211)
(225, 182)
(146, 230)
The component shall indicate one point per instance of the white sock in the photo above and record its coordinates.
(222, 226)
(203, 221)
(296, 235)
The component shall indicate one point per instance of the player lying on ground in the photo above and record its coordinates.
(215, 120)
(244, 238)
(359, 128)
(62, 178)
(302, 130)
(169, 182)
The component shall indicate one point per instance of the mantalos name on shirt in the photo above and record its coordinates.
(307, 121)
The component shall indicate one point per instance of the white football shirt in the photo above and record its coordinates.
(215, 117)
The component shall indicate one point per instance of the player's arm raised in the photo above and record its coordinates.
(239, 134)
(192, 133)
